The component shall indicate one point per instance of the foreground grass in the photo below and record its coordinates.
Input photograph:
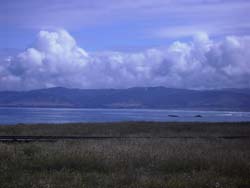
(128, 163)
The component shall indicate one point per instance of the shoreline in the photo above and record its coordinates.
(125, 122)
(142, 109)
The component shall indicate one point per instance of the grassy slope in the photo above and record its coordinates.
(135, 163)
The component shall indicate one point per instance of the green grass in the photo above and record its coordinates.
(128, 163)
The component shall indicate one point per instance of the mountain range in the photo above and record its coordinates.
(137, 97)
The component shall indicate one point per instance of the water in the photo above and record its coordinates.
(67, 115)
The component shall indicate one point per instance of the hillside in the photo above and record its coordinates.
(139, 97)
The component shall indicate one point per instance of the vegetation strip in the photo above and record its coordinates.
(55, 138)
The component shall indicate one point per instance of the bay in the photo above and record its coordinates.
(12, 116)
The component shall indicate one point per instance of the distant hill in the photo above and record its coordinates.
(138, 97)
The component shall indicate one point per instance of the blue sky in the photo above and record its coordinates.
(121, 24)
(197, 44)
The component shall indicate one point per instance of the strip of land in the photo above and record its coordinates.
(129, 129)
(63, 138)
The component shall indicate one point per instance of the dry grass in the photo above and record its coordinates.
(128, 163)
(154, 129)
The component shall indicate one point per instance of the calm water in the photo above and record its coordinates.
(64, 115)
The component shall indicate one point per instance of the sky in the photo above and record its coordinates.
(195, 44)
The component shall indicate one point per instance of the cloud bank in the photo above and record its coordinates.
(55, 59)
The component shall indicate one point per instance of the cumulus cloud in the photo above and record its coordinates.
(55, 59)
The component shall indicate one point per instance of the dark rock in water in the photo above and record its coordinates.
(173, 116)
(198, 116)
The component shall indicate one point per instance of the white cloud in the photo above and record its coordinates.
(55, 59)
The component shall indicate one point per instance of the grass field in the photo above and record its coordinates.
(129, 162)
